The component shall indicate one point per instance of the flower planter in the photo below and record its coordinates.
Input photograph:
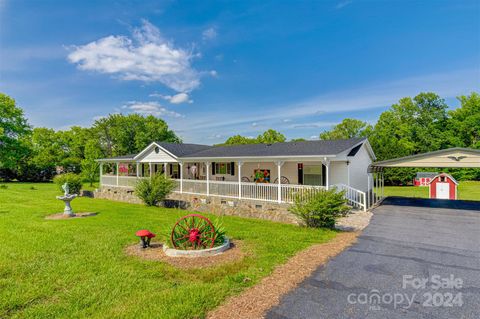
(172, 252)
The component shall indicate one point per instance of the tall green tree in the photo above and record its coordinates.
(464, 122)
(14, 129)
(348, 128)
(239, 140)
(270, 136)
(90, 167)
(409, 127)
(128, 134)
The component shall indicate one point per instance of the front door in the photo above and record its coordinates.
(443, 190)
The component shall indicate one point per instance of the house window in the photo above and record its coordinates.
(312, 175)
(223, 168)
(175, 173)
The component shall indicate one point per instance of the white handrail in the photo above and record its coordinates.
(354, 197)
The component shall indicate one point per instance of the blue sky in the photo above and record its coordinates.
(213, 69)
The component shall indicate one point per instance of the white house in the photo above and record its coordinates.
(264, 172)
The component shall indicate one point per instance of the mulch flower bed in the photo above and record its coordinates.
(155, 252)
(63, 216)
(257, 300)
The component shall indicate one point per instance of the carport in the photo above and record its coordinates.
(456, 157)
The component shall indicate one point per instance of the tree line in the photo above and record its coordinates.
(413, 125)
(37, 154)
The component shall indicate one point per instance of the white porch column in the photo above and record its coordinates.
(208, 177)
(181, 176)
(101, 173)
(165, 170)
(240, 179)
(279, 172)
(326, 162)
(117, 171)
(150, 169)
(138, 170)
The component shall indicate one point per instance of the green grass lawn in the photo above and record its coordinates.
(467, 190)
(77, 268)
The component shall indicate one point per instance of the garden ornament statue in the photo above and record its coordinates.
(145, 237)
(67, 198)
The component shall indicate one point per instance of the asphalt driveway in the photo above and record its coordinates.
(417, 259)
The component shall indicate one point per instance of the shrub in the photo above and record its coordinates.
(321, 209)
(155, 189)
(73, 180)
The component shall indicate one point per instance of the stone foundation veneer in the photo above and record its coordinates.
(215, 205)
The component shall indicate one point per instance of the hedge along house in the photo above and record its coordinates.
(260, 172)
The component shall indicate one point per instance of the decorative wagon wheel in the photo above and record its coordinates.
(193, 232)
(283, 180)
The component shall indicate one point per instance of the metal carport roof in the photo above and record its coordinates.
(452, 157)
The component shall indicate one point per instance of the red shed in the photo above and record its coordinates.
(443, 186)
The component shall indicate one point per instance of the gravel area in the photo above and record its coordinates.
(155, 252)
(63, 216)
(356, 220)
(255, 301)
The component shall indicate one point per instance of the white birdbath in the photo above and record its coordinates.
(67, 198)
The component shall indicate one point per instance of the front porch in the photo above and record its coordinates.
(267, 181)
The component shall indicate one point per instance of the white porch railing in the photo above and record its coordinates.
(354, 197)
(253, 191)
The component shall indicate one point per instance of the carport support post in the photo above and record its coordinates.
(368, 190)
(383, 185)
(279, 176)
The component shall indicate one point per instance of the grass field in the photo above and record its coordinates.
(77, 268)
(467, 190)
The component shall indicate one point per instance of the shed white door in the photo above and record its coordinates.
(443, 190)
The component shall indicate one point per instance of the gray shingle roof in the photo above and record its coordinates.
(307, 148)
(121, 157)
(427, 174)
(180, 149)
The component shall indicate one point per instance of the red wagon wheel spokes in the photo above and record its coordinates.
(193, 232)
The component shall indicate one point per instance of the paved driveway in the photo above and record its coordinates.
(406, 237)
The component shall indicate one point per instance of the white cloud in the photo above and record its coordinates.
(145, 56)
(314, 137)
(213, 73)
(209, 34)
(174, 99)
(254, 124)
(150, 108)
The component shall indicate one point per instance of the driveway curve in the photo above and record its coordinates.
(417, 259)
